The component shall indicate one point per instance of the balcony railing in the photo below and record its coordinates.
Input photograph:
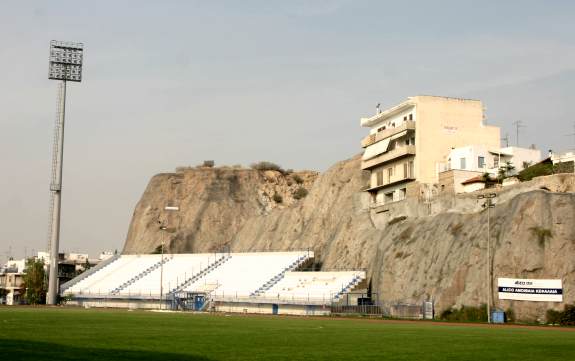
(397, 153)
(372, 138)
(405, 179)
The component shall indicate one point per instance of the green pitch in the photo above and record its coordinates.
(76, 334)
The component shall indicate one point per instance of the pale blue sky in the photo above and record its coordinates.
(174, 83)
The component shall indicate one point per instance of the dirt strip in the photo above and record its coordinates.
(418, 322)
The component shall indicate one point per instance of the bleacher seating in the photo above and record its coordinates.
(245, 277)
(314, 286)
(176, 271)
(109, 278)
(244, 273)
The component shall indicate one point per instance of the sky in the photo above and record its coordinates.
(173, 83)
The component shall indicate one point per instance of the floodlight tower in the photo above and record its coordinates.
(65, 65)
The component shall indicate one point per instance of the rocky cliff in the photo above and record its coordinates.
(441, 255)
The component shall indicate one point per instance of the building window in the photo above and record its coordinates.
(495, 162)
(402, 193)
(405, 170)
(462, 164)
(381, 129)
(389, 174)
(411, 170)
(405, 118)
(481, 162)
(388, 197)
(410, 116)
(379, 175)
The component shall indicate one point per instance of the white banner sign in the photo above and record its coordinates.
(530, 290)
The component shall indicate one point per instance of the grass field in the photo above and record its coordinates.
(77, 334)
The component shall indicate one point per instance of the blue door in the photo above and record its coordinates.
(275, 309)
(199, 302)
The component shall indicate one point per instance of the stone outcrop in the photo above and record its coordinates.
(415, 255)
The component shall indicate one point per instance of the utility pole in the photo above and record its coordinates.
(488, 204)
(506, 139)
(518, 125)
(164, 228)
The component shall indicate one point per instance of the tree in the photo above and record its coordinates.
(300, 193)
(509, 167)
(505, 170)
(34, 282)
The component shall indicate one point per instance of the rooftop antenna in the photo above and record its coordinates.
(377, 108)
(65, 65)
(518, 125)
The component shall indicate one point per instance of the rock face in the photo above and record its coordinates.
(214, 205)
(441, 256)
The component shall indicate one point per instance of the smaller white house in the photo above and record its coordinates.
(478, 158)
(105, 255)
(563, 158)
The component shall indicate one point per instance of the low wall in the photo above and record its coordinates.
(431, 202)
(268, 308)
(118, 303)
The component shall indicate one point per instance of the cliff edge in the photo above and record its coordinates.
(439, 256)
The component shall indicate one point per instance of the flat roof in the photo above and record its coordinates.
(409, 102)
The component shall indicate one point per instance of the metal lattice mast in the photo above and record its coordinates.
(65, 65)
(54, 167)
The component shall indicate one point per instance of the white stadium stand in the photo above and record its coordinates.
(244, 273)
(314, 286)
(260, 278)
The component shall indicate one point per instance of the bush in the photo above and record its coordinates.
(541, 234)
(300, 193)
(568, 316)
(297, 179)
(564, 318)
(277, 198)
(553, 317)
(466, 313)
(537, 170)
(267, 166)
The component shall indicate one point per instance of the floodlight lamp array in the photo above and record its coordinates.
(66, 61)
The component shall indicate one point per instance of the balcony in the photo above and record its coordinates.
(397, 153)
(372, 138)
(394, 182)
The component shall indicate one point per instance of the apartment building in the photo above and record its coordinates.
(409, 142)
